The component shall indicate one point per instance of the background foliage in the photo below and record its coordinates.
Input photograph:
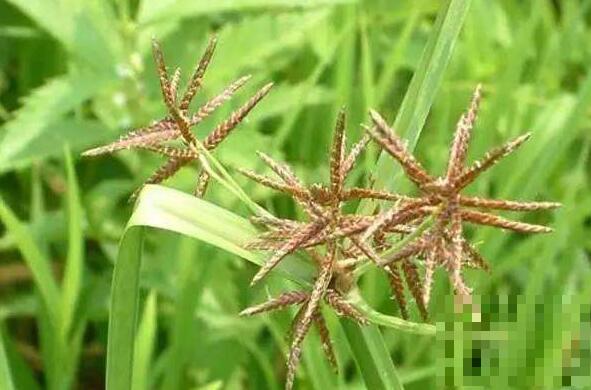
(74, 74)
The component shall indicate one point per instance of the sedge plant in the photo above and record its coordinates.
(410, 238)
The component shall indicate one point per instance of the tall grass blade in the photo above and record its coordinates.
(144, 346)
(35, 260)
(123, 311)
(6, 381)
(72, 281)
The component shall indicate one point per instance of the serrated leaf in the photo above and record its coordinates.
(41, 108)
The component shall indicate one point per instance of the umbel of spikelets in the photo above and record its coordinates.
(443, 243)
(160, 136)
(322, 205)
(326, 289)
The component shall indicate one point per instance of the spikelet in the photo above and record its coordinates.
(385, 136)
(480, 218)
(397, 288)
(490, 159)
(280, 302)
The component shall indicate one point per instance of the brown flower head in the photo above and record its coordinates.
(322, 204)
(159, 136)
(443, 244)
(326, 225)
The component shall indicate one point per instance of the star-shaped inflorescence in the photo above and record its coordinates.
(322, 205)
(443, 243)
(160, 136)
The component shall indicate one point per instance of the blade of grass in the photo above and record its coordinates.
(35, 260)
(264, 364)
(74, 262)
(6, 381)
(123, 311)
(173, 210)
(20, 370)
(144, 345)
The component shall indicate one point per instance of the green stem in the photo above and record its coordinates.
(378, 318)
(224, 178)
(363, 268)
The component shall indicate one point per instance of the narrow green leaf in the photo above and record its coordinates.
(51, 227)
(123, 311)
(367, 343)
(6, 381)
(74, 262)
(20, 371)
(173, 210)
(35, 260)
(144, 346)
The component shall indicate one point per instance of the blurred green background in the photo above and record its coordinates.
(75, 74)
